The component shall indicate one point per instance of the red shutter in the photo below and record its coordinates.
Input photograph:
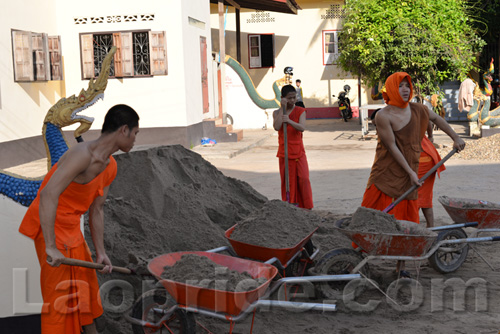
(158, 52)
(23, 56)
(55, 57)
(117, 41)
(87, 48)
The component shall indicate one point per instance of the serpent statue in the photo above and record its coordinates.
(480, 110)
(64, 113)
(250, 87)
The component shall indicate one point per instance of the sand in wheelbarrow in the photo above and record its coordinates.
(200, 271)
(277, 224)
(374, 221)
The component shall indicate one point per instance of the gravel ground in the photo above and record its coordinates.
(485, 149)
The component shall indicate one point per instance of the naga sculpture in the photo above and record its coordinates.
(250, 87)
(64, 113)
(480, 110)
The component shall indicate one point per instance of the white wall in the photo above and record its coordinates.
(159, 100)
(23, 105)
(298, 43)
(200, 11)
(162, 101)
(245, 113)
(17, 251)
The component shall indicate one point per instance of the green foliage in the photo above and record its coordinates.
(432, 40)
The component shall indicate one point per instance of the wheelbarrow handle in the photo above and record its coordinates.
(80, 263)
(413, 187)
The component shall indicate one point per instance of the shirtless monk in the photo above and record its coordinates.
(401, 127)
(298, 169)
(78, 182)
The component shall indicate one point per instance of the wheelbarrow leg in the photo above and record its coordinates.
(473, 247)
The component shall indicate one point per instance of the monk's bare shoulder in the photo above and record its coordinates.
(79, 153)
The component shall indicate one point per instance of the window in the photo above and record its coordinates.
(331, 47)
(139, 53)
(261, 50)
(37, 56)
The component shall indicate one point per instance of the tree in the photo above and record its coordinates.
(432, 40)
(487, 23)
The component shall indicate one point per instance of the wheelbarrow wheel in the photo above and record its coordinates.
(449, 258)
(339, 261)
(148, 309)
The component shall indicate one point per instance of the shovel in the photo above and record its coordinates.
(92, 265)
(413, 187)
(287, 177)
(287, 174)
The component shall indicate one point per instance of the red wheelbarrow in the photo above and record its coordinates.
(464, 210)
(445, 255)
(173, 307)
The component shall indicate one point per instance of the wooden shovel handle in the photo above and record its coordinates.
(80, 263)
(414, 187)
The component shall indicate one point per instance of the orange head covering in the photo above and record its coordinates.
(391, 94)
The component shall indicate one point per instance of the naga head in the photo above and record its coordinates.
(66, 111)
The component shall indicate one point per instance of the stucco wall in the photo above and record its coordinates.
(23, 105)
(298, 43)
(170, 100)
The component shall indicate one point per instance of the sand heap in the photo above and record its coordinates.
(169, 199)
(276, 225)
(203, 272)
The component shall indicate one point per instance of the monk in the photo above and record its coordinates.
(401, 127)
(298, 169)
(77, 183)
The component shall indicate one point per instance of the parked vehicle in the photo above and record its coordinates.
(345, 103)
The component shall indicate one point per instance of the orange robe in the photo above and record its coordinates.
(70, 294)
(298, 169)
(428, 159)
(388, 180)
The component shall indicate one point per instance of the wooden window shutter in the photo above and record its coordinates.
(158, 52)
(87, 46)
(40, 58)
(55, 57)
(117, 41)
(127, 54)
(23, 56)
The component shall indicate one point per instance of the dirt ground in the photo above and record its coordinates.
(339, 165)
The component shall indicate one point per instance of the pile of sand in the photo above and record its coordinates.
(203, 272)
(370, 220)
(277, 224)
(166, 199)
(169, 199)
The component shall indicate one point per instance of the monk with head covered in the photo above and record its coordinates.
(401, 125)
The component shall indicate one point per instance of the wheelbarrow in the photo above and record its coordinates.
(408, 246)
(464, 210)
(173, 308)
(291, 261)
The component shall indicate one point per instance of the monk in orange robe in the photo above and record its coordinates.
(298, 169)
(77, 183)
(401, 127)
